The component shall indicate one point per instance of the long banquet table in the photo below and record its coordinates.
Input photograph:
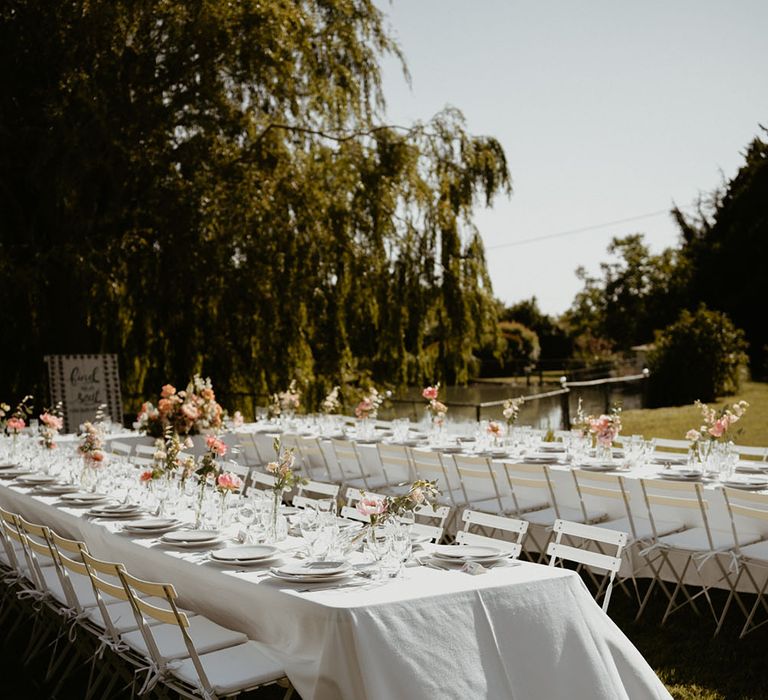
(526, 631)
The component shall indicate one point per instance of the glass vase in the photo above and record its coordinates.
(276, 525)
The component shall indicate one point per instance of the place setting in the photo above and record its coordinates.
(83, 498)
(465, 557)
(115, 511)
(151, 526)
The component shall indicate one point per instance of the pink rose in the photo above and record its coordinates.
(167, 390)
(15, 424)
(190, 411)
(693, 435)
(229, 481)
(720, 427)
(371, 506)
(494, 428)
(96, 455)
(216, 446)
(146, 476)
(430, 393)
(52, 421)
(207, 394)
(164, 406)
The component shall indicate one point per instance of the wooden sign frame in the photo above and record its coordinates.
(82, 383)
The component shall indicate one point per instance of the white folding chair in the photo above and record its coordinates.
(195, 656)
(145, 450)
(749, 521)
(760, 454)
(313, 459)
(594, 488)
(558, 551)
(121, 449)
(430, 522)
(261, 481)
(397, 468)
(351, 467)
(319, 490)
(494, 523)
(694, 541)
(478, 483)
(429, 466)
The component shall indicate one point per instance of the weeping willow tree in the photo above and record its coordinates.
(208, 186)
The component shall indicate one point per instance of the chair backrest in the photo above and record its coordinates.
(38, 546)
(261, 481)
(429, 466)
(494, 523)
(69, 554)
(478, 481)
(9, 533)
(122, 449)
(248, 450)
(98, 571)
(670, 444)
(749, 514)
(135, 588)
(348, 460)
(145, 450)
(601, 486)
(590, 533)
(313, 457)
(395, 463)
(353, 495)
(676, 501)
(319, 488)
(263, 443)
(530, 481)
(761, 453)
(142, 461)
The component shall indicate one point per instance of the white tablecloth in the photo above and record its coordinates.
(526, 632)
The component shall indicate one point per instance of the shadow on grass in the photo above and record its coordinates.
(687, 658)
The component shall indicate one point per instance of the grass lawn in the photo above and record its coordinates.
(675, 422)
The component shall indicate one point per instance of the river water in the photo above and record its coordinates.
(540, 413)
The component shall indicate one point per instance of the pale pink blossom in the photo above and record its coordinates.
(368, 506)
(228, 481)
(167, 390)
(693, 435)
(146, 476)
(15, 424)
(272, 467)
(216, 446)
(430, 393)
(494, 429)
(52, 421)
(237, 419)
(190, 411)
(417, 495)
(719, 427)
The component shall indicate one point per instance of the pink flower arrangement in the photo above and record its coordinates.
(606, 427)
(282, 469)
(511, 410)
(146, 476)
(369, 405)
(714, 426)
(370, 506)
(436, 408)
(51, 423)
(15, 425)
(494, 429)
(290, 399)
(91, 444)
(216, 445)
(228, 482)
(188, 412)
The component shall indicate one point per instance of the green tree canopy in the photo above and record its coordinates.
(208, 186)
(726, 247)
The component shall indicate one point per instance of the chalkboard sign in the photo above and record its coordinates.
(83, 383)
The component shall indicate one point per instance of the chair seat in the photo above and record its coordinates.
(232, 669)
(643, 529)
(757, 551)
(547, 516)
(205, 634)
(694, 539)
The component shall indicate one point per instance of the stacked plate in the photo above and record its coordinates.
(751, 467)
(57, 489)
(150, 526)
(450, 449)
(461, 553)
(312, 571)
(595, 465)
(9, 465)
(191, 539)
(748, 483)
(14, 471)
(681, 475)
(115, 511)
(247, 555)
(83, 498)
(36, 479)
(669, 459)
(542, 458)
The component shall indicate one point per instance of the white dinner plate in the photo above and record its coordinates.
(116, 513)
(190, 537)
(314, 569)
(58, 489)
(751, 467)
(680, 475)
(37, 479)
(248, 553)
(80, 498)
(310, 578)
(450, 449)
(465, 552)
(9, 465)
(13, 473)
(540, 458)
(599, 466)
(749, 483)
(150, 526)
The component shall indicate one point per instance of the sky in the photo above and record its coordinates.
(607, 111)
